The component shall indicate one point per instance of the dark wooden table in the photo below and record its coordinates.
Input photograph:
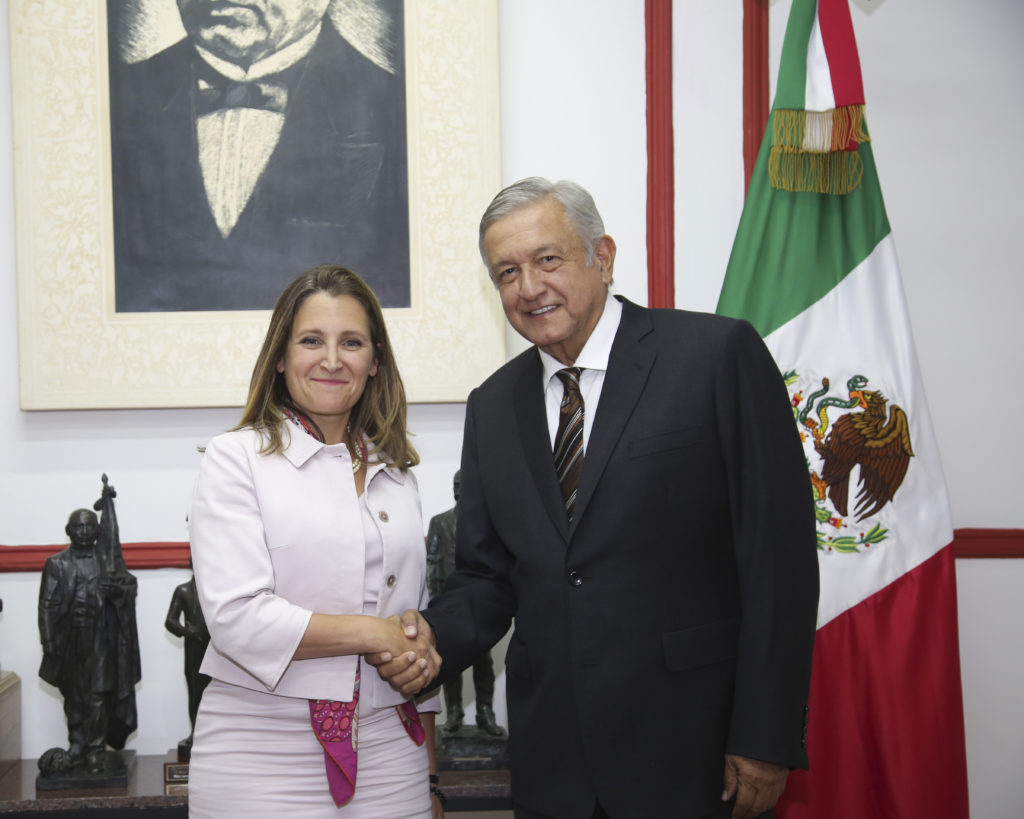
(147, 794)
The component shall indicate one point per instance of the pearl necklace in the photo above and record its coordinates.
(356, 449)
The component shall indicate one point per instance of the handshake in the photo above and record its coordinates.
(411, 663)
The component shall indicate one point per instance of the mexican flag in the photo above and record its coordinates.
(814, 268)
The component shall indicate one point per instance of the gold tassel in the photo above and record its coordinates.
(835, 173)
(809, 150)
(820, 131)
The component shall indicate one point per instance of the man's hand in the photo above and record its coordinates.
(757, 785)
(411, 668)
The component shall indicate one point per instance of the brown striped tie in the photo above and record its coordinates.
(569, 438)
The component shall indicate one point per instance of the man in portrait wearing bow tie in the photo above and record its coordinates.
(261, 143)
(634, 497)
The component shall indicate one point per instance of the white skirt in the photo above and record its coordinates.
(255, 754)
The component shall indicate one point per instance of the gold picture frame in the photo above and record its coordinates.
(75, 352)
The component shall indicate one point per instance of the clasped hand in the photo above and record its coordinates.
(414, 662)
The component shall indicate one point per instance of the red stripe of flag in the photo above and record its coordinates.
(841, 51)
(885, 730)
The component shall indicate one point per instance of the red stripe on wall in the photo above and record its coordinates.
(755, 82)
(136, 556)
(661, 287)
(967, 543)
(988, 543)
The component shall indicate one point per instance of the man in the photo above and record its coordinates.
(664, 602)
(262, 142)
(90, 643)
(440, 564)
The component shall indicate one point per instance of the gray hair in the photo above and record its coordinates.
(579, 207)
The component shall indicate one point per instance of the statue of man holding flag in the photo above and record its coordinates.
(89, 635)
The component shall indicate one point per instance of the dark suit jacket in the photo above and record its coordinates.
(673, 621)
(334, 190)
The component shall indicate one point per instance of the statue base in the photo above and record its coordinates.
(10, 720)
(117, 767)
(185, 749)
(470, 749)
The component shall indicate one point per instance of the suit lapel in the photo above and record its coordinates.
(325, 127)
(528, 400)
(629, 365)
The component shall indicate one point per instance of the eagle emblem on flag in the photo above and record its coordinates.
(870, 438)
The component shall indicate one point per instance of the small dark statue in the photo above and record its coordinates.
(90, 645)
(185, 619)
(440, 564)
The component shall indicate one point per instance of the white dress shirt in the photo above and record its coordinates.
(235, 144)
(593, 359)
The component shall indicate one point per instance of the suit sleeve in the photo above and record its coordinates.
(775, 543)
(476, 607)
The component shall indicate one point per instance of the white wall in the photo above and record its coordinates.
(573, 107)
(707, 82)
(942, 80)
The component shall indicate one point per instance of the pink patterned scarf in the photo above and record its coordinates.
(336, 727)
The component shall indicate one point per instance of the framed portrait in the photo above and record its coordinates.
(155, 229)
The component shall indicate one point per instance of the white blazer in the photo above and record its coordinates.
(277, 537)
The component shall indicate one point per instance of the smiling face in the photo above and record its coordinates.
(249, 30)
(327, 360)
(551, 295)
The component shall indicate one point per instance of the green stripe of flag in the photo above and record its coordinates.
(793, 248)
(791, 86)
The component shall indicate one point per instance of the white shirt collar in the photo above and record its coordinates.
(598, 349)
(299, 447)
(272, 64)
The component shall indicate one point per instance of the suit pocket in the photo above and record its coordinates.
(664, 441)
(701, 645)
(517, 659)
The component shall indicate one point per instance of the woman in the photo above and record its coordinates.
(306, 530)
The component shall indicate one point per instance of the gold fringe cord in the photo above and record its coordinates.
(801, 172)
(819, 131)
(809, 150)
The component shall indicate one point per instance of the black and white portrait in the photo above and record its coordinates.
(251, 140)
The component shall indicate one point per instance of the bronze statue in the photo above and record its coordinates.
(185, 603)
(89, 635)
(440, 564)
